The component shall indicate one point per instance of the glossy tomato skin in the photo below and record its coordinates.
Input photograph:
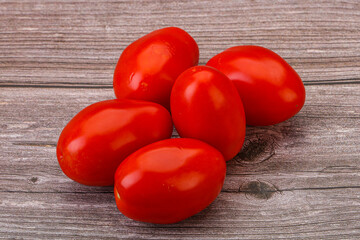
(205, 105)
(148, 67)
(169, 181)
(98, 138)
(269, 87)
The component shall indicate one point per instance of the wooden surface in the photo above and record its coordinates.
(296, 180)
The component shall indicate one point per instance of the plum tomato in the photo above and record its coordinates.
(205, 105)
(98, 138)
(148, 67)
(169, 181)
(269, 87)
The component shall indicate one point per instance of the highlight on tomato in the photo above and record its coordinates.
(148, 67)
(205, 105)
(269, 87)
(169, 181)
(101, 136)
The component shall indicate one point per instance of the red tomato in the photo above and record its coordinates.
(98, 138)
(269, 87)
(168, 181)
(205, 105)
(148, 67)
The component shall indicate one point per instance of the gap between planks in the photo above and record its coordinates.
(107, 86)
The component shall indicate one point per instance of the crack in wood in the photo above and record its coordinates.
(54, 86)
(340, 169)
(36, 144)
(56, 192)
(223, 190)
(108, 86)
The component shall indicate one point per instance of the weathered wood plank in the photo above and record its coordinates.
(77, 42)
(316, 214)
(320, 143)
(295, 180)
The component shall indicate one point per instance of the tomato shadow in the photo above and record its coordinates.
(89, 194)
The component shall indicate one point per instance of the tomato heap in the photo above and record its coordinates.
(126, 142)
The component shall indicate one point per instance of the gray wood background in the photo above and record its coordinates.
(296, 180)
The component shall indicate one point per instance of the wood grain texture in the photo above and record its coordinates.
(299, 179)
(315, 214)
(78, 42)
